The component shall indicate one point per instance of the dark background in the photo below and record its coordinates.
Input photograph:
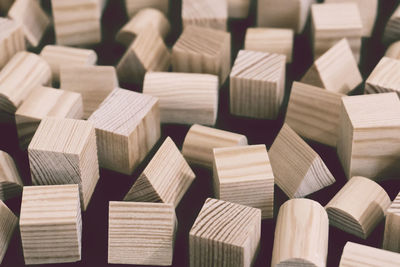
(113, 186)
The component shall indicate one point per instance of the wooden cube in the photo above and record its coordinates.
(385, 77)
(12, 40)
(238, 238)
(238, 9)
(203, 50)
(392, 32)
(243, 175)
(124, 139)
(50, 224)
(257, 84)
(184, 98)
(391, 239)
(63, 151)
(141, 233)
(166, 178)
(8, 222)
(393, 51)
(205, 13)
(134, 6)
(10, 181)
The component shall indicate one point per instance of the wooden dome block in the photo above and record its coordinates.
(134, 6)
(392, 32)
(393, 51)
(385, 77)
(336, 70)
(298, 169)
(314, 113)
(127, 127)
(205, 13)
(166, 178)
(238, 238)
(10, 181)
(257, 84)
(51, 224)
(238, 9)
(203, 50)
(201, 140)
(184, 98)
(368, 138)
(8, 223)
(243, 175)
(141, 233)
(391, 239)
(358, 207)
(63, 151)
(12, 40)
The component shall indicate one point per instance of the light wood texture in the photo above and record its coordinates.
(314, 113)
(166, 178)
(257, 84)
(369, 133)
(227, 231)
(358, 207)
(205, 13)
(203, 50)
(8, 223)
(384, 78)
(238, 9)
(141, 233)
(298, 169)
(12, 40)
(301, 234)
(391, 239)
(51, 224)
(10, 180)
(184, 98)
(133, 6)
(201, 140)
(63, 151)
(393, 51)
(5, 6)
(127, 127)
(391, 32)
(336, 70)
(243, 175)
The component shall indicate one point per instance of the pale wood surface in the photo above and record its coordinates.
(393, 51)
(133, 6)
(392, 32)
(391, 239)
(12, 40)
(8, 223)
(205, 13)
(10, 180)
(385, 77)
(238, 9)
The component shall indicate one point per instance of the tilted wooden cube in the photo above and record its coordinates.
(10, 181)
(385, 77)
(392, 32)
(134, 6)
(391, 238)
(205, 13)
(12, 40)
(8, 223)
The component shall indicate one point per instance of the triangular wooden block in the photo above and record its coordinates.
(10, 181)
(385, 77)
(205, 13)
(391, 239)
(8, 223)
(12, 40)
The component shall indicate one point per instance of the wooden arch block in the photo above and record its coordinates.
(298, 169)
(385, 77)
(8, 223)
(393, 51)
(10, 181)
(358, 207)
(391, 239)
(134, 6)
(12, 40)
(205, 13)
(238, 9)
(392, 32)
(238, 238)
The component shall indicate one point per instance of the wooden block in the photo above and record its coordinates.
(63, 151)
(184, 98)
(393, 50)
(8, 223)
(384, 78)
(301, 234)
(12, 40)
(166, 178)
(51, 224)
(5, 6)
(391, 32)
(141, 233)
(243, 175)
(205, 13)
(391, 239)
(94, 83)
(225, 234)
(127, 127)
(201, 140)
(298, 169)
(336, 70)
(238, 9)
(43, 102)
(203, 50)
(270, 40)
(257, 84)
(134, 6)
(358, 207)
(314, 113)
(10, 180)
(368, 138)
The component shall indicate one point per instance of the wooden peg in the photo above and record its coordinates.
(10, 180)
(391, 32)
(8, 223)
(5, 6)
(201, 140)
(166, 178)
(225, 234)
(12, 40)
(205, 13)
(124, 139)
(393, 51)
(384, 78)
(298, 169)
(391, 239)
(51, 224)
(238, 9)
(134, 6)
(141, 233)
(184, 98)
(257, 84)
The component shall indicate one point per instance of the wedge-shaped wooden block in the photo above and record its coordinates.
(10, 180)
(391, 239)
(166, 178)
(201, 140)
(63, 151)
(393, 51)
(8, 223)
(224, 234)
(336, 70)
(184, 98)
(50, 224)
(141, 233)
(203, 50)
(238, 9)
(385, 77)
(12, 40)
(298, 169)
(205, 13)
(392, 32)
(134, 6)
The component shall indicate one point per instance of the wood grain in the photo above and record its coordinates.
(238, 9)
(393, 51)
(206, 13)
(134, 6)
(12, 40)
(8, 223)
(10, 181)
(384, 78)
(391, 238)
(391, 32)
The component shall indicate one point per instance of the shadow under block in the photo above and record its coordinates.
(203, 50)
(63, 151)
(141, 233)
(12, 40)
(10, 181)
(257, 84)
(391, 32)
(184, 98)
(201, 140)
(165, 179)
(205, 13)
(238, 9)
(369, 142)
(134, 6)
(298, 169)
(243, 175)
(127, 127)
(336, 70)
(51, 224)
(358, 207)
(391, 239)
(393, 51)
(385, 77)
(8, 223)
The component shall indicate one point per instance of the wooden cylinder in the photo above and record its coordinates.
(393, 50)
(391, 239)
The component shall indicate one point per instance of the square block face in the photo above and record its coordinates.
(206, 13)
(385, 77)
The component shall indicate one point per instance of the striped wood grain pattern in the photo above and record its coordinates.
(391, 32)
(238, 9)
(384, 78)
(12, 40)
(391, 239)
(206, 13)
(393, 51)
(8, 223)
(10, 181)
(134, 6)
